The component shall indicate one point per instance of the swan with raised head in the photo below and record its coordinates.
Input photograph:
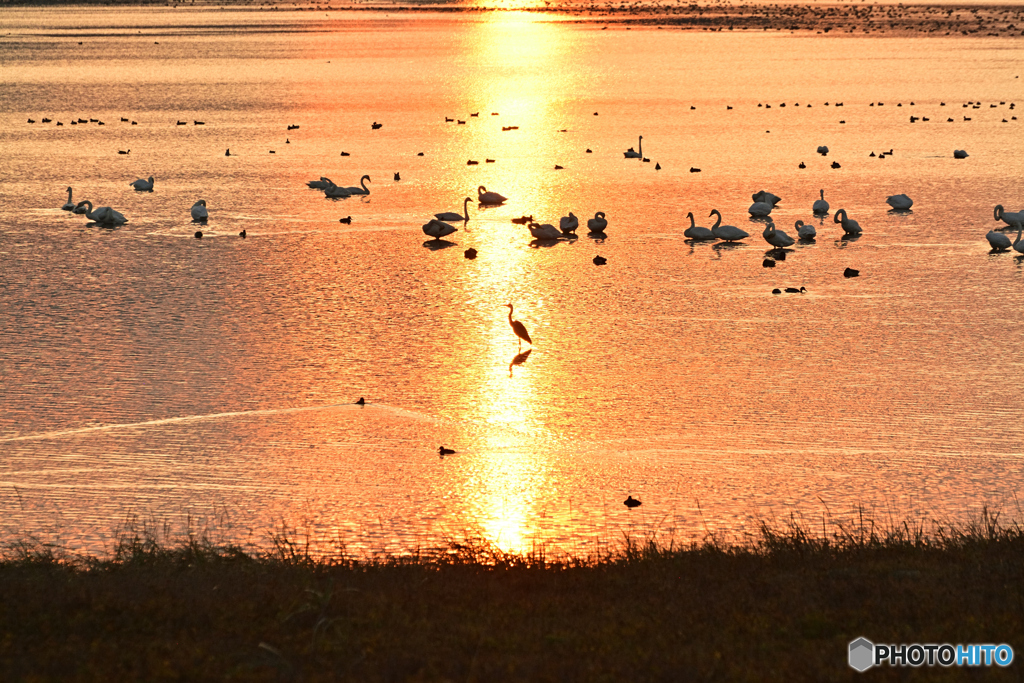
(70, 205)
(630, 154)
(998, 241)
(1012, 219)
(850, 226)
(900, 202)
(597, 223)
(199, 212)
(776, 238)
(695, 232)
(438, 229)
(568, 224)
(804, 231)
(820, 205)
(321, 184)
(485, 197)
(452, 216)
(361, 188)
(333, 191)
(728, 233)
(143, 185)
(103, 215)
(544, 231)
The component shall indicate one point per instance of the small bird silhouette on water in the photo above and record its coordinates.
(632, 502)
(242, 234)
(442, 451)
(398, 176)
(802, 165)
(361, 401)
(470, 253)
(600, 260)
(851, 272)
(835, 164)
(227, 152)
(768, 263)
(199, 234)
(346, 219)
(657, 167)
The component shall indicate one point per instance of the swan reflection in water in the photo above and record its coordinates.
(519, 359)
(438, 244)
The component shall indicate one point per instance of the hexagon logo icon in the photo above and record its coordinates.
(862, 654)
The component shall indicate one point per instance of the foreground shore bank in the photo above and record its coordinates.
(783, 608)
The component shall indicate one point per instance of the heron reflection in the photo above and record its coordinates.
(519, 359)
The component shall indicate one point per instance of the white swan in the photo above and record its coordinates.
(199, 212)
(805, 232)
(544, 231)
(729, 233)
(597, 223)
(998, 241)
(900, 202)
(695, 232)
(335, 192)
(321, 184)
(1011, 219)
(820, 205)
(103, 215)
(361, 188)
(452, 216)
(69, 206)
(776, 238)
(438, 229)
(850, 226)
(485, 197)
(568, 224)
(143, 185)
(630, 154)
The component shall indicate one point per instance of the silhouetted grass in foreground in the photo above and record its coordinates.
(783, 607)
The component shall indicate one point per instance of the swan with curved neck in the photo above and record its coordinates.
(630, 154)
(199, 212)
(452, 216)
(804, 231)
(728, 233)
(361, 188)
(438, 229)
(850, 226)
(69, 206)
(568, 224)
(1011, 219)
(776, 238)
(695, 232)
(485, 197)
(820, 205)
(104, 214)
(597, 223)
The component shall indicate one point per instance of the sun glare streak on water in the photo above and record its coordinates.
(149, 373)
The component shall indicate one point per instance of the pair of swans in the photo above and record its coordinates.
(143, 185)
(820, 205)
(452, 216)
(727, 233)
(490, 198)
(1001, 242)
(1011, 219)
(900, 202)
(850, 226)
(103, 215)
(630, 154)
(199, 212)
(763, 204)
(438, 229)
(333, 191)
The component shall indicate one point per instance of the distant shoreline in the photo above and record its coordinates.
(993, 20)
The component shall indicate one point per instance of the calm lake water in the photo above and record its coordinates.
(211, 383)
